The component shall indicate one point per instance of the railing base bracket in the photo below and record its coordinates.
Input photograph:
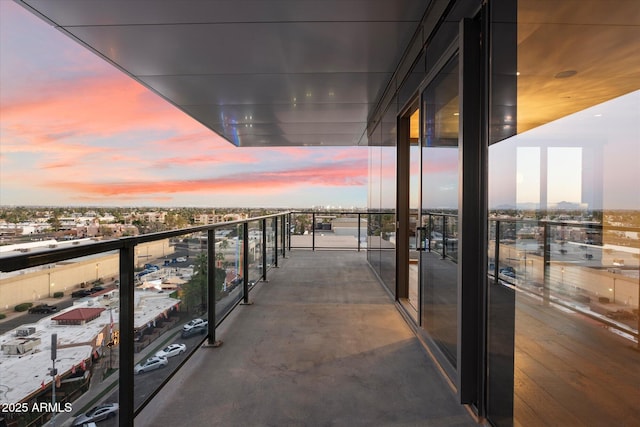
(247, 303)
(215, 344)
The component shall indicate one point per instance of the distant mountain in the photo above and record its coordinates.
(570, 206)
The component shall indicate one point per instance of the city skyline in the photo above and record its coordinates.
(77, 132)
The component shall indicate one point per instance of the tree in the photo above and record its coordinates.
(54, 221)
(195, 290)
(106, 231)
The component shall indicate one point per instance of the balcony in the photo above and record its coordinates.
(321, 344)
(310, 336)
(307, 336)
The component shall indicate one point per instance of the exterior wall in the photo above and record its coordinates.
(35, 285)
(149, 252)
(64, 277)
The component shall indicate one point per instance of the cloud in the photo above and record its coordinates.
(82, 131)
(333, 175)
(91, 107)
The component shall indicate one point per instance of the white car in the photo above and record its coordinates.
(98, 413)
(171, 350)
(195, 323)
(181, 259)
(150, 364)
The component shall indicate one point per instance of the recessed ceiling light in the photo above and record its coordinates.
(456, 114)
(565, 74)
(597, 115)
(517, 73)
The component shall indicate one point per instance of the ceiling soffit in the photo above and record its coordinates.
(259, 73)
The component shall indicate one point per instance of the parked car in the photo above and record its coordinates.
(97, 288)
(81, 293)
(508, 271)
(172, 350)
(195, 327)
(97, 413)
(195, 323)
(181, 259)
(150, 364)
(43, 309)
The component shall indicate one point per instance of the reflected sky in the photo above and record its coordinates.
(587, 160)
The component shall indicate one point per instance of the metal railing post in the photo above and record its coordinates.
(496, 256)
(275, 240)
(313, 231)
(430, 232)
(211, 286)
(126, 326)
(245, 261)
(444, 237)
(546, 264)
(285, 226)
(358, 232)
(264, 249)
(289, 233)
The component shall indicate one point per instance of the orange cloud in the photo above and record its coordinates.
(99, 106)
(337, 175)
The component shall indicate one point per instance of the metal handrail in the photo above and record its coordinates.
(126, 247)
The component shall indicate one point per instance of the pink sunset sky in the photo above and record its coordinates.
(76, 131)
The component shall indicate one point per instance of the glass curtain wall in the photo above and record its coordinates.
(388, 162)
(564, 214)
(381, 221)
(439, 210)
(374, 220)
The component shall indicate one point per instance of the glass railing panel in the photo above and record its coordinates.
(79, 301)
(170, 309)
(255, 247)
(281, 233)
(271, 235)
(336, 230)
(451, 237)
(44, 307)
(301, 230)
(229, 268)
(436, 234)
(283, 230)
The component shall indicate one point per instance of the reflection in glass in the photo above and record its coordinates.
(229, 268)
(374, 219)
(439, 272)
(171, 291)
(255, 247)
(570, 249)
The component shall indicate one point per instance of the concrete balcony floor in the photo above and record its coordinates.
(322, 345)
